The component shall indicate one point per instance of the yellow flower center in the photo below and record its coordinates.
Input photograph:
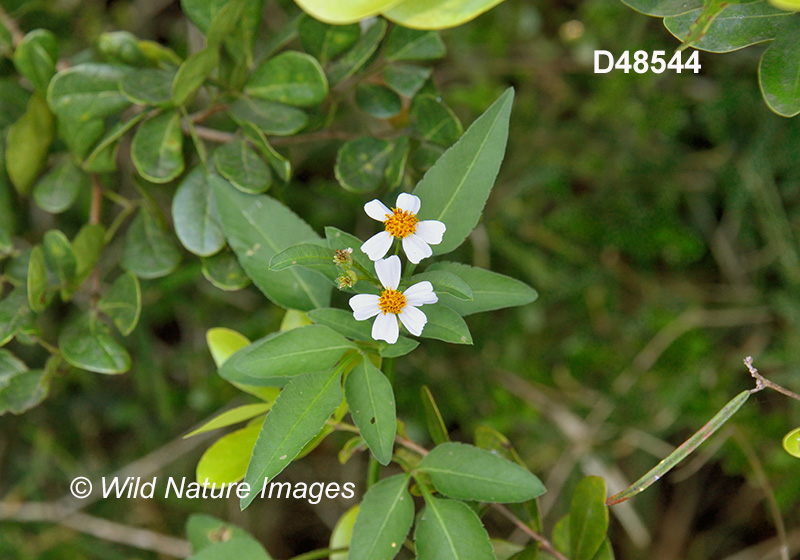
(391, 301)
(400, 223)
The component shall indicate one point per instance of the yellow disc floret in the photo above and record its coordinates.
(400, 223)
(391, 301)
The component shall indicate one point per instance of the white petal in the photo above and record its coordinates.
(376, 246)
(364, 306)
(389, 272)
(413, 319)
(408, 202)
(420, 294)
(416, 249)
(377, 210)
(386, 328)
(431, 231)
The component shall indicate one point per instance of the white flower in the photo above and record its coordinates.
(401, 222)
(392, 305)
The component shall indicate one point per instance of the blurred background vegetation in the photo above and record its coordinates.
(656, 215)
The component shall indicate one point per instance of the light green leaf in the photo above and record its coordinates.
(242, 167)
(455, 189)
(122, 47)
(450, 530)
(87, 245)
(157, 148)
(410, 44)
(241, 548)
(406, 79)
(272, 118)
(87, 91)
(433, 418)
(361, 163)
(371, 401)
(444, 282)
(466, 472)
(148, 252)
(344, 12)
(343, 532)
(195, 216)
(225, 272)
(779, 72)
(396, 164)
(445, 324)
(378, 101)
(298, 415)
(438, 14)
(28, 144)
(307, 255)
(60, 259)
(383, 520)
(231, 417)
(357, 57)
(434, 121)
(223, 343)
(192, 73)
(35, 58)
(226, 460)
(87, 344)
(291, 78)
(258, 227)
(60, 187)
(148, 86)
(325, 41)
(588, 518)
(123, 302)
(490, 290)
(662, 8)
(37, 280)
(291, 353)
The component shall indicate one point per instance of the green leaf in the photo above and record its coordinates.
(203, 531)
(79, 136)
(663, 8)
(588, 518)
(490, 290)
(103, 157)
(433, 418)
(148, 252)
(396, 164)
(87, 91)
(291, 353)
(192, 73)
(87, 245)
(148, 86)
(325, 41)
(231, 417)
(21, 389)
(279, 163)
(241, 548)
(402, 347)
(466, 472)
(28, 144)
(272, 118)
(342, 322)
(343, 532)
(60, 259)
(357, 57)
(87, 344)
(10, 366)
(195, 216)
(378, 101)
(433, 121)
(292, 78)
(305, 254)
(35, 58)
(444, 282)
(338, 239)
(383, 521)
(361, 163)
(225, 272)
(450, 530)
(455, 189)
(223, 343)
(344, 12)
(411, 44)
(224, 22)
(37, 280)
(406, 79)
(60, 187)
(123, 302)
(122, 47)
(15, 315)
(445, 324)
(298, 415)
(258, 227)
(605, 552)
(779, 72)
(371, 401)
(226, 460)
(437, 14)
(242, 167)
(157, 148)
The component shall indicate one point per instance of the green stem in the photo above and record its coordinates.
(321, 553)
(373, 472)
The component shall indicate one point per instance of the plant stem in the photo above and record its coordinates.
(762, 382)
(16, 33)
(321, 553)
(545, 544)
(373, 472)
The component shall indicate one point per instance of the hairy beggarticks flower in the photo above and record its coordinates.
(392, 304)
(401, 222)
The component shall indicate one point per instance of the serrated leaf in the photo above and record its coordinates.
(433, 418)
(226, 460)
(338, 239)
(291, 78)
(192, 73)
(123, 302)
(455, 189)
(37, 280)
(378, 101)
(779, 72)
(148, 86)
(466, 472)
(225, 272)
(342, 322)
(445, 324)
(411, 44)
(344, 12)
(35, 58)
(272, 118)
(258, 227)
(195, 215)
(242, 167)
(450, 530)
(305, 254)
(149, 252)
(352, 61)
(325, 41)
(28, 143)
(588, 518)
(490, 290)
(361, 163)
(434, 121)
(444, 282)
(383, 521)
(60, 187)
(157, 148)
(371, 401)
(406, 79)
(87, 91)
(297, 416)
(87, 344)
